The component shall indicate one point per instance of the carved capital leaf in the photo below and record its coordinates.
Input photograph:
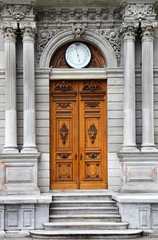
(129, 29)
(148, 28)
(9, 30)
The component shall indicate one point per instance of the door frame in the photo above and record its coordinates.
(79, 74)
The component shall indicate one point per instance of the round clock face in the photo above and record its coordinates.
(78, 55)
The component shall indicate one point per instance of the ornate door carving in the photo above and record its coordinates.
(78, 144)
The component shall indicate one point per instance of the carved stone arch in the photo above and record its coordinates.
(89, 36)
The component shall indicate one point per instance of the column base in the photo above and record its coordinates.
(132, 148)
(29, 150)
(10, 150)
(149, 148)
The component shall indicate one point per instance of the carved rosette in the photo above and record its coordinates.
(18, 11)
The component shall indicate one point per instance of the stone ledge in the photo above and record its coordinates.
(136, 198)
(29, 199)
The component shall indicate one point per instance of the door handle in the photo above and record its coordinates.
(81, 156)
(75, 156)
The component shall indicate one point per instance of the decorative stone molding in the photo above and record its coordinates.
(79, 15)
(78, 30)
(112, 35)
(67, 36)
(18, 11)
(43, 37)
(139, 11)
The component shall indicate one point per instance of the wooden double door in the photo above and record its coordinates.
(78, 134)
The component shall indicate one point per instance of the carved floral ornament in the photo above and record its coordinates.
(78, 15)
(18, 11)
(44, 34)
(139, 11)
(78, 30)
(64, 133)
(92, 132)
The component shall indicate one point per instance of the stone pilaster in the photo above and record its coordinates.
(129, 133)
(147, 87)
(9, 31)
(29, 144)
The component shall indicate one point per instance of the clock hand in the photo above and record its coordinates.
(78, 55)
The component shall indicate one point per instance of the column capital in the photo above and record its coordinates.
(148, 28)
(28, 30)
(9, 31)
(128, 30)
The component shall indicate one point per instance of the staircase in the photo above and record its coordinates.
(84, 214)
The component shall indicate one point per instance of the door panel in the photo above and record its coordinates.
(78, 144)
(93, 169)
(63, 134)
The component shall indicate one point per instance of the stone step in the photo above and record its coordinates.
(84, 226)
(84, 210)
(86, 203)
(86, 234)
(96, 196)
(85, 217)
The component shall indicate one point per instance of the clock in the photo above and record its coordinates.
(78, 55)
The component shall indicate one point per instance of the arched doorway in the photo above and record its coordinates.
(78, 127)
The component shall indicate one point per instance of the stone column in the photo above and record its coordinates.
(129, 133)
(10, 89)
(147, 88)
(29, 144)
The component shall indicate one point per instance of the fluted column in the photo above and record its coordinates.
(147, 87)
(29, 144)
(129, 133)
(10, 89)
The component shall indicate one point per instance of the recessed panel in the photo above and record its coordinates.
(64, 134)
(64, 171)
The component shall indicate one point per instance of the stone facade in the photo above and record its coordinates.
(126, 34)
